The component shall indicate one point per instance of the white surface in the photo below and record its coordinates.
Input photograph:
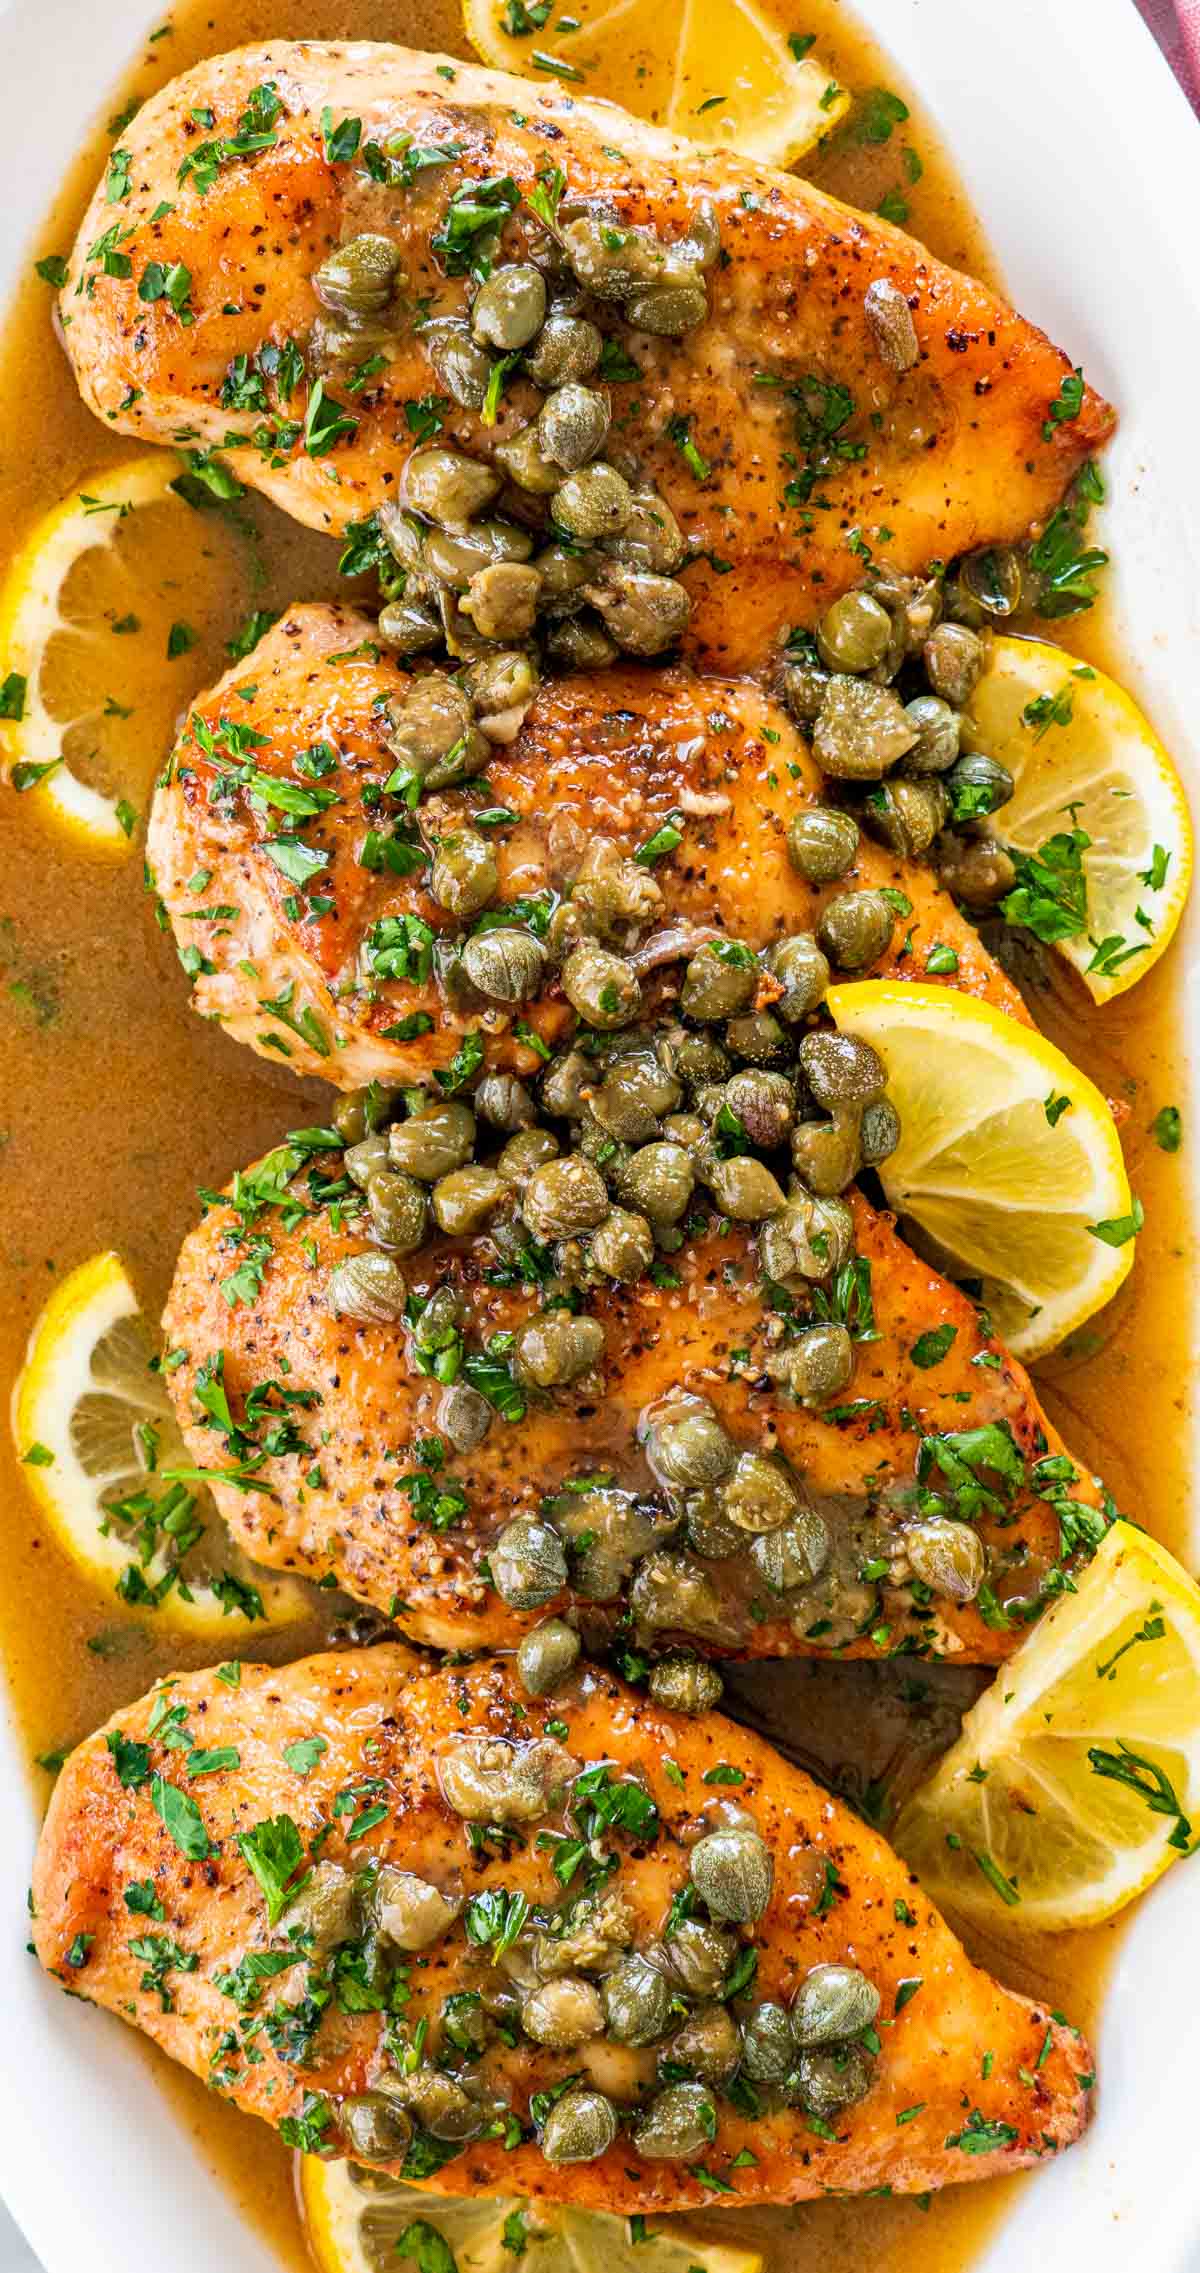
(1085, 163)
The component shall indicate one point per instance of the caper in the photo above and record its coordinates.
(977, 785)
(608, 1530)
(325, 1907)
(549, 1352)
(833, 2001)
(437, 1324)
(768, 2046)
(458, 556)
(878, 1132)
(363, 1160)
(759, 1038)
(509, 310)
(644, 612)
(975, 869)
(856, 929)
(358, 279)
(953, 658)
(685, 1685)
(506, 965)
(359, 1112)
(699, 1955)
(502, 600)
(572, 424)
(765, 1104)
(501, 687)
(464, 874)
(565, 1197)
(759, 1495)
(622, 1246)
(430, 732)
(947, 1556)
(637, 2001)
(822, 843)
(830, 2079)
(818, 1363)
(709, 2044)
(580, 2126)
(744, 1188)
(409, 627)
(439, 2104)
(528, 1563)
(995, 578)
(595, 502)
(668, 309)
(410, 1912)
(370, 1289)
(853, 634)
(463, 1200)
(651, 537)
(563, 2013)
(685, 1442)
(460, 366)
(698, 1057)
(399, 1211)
(464, 1416)
(485, 1779)
(437, 1139)
(580, 643)
(825, 1154)
(678, 2125)
(465, 2022)
(890, 318)
(525, 462)
(803, 973)
(635, 1092)
(810, 1239)
(840, 1069)
(672, 1593)
(906, 815)
(793, 1555)
(709, 1529)
(446, 487)
(938, 731)
(524, 1154)
(375, 2128)
(862, 730)
(721, 978)
(546, 1656)
(733, 1873)
(803, 685)
(603, 988)
(566, 348)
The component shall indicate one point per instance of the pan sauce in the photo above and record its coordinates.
(118, 1103)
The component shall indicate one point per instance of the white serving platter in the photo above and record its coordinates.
(1084, 161)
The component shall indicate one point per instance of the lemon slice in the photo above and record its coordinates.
(95, 1431)
(110, 616)
(1076, 1779)
(1008, 1157)
(358, 2222)
(1085, 759)
(721, 72)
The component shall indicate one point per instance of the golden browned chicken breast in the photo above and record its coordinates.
(763, 1444)
(324, 915)
(570, 1946)
(316, 258)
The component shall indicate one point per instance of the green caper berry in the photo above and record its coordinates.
(685, 1442)
(505, 1102)
(768, 2046)
(856, 929)
(364, 1160)
(700, 1956)
(463, 1416)
(524, 1154)
(938, 732)
(645, 613)
(759, 1495)
(433, 1141)
(409, 627)
(765, 1104)
(907, 815)
(721, 979)
(668, 309)
(841, 1070)
(854, 633)
(505, 965)
(709, 2044)
(819, 1363)
(733, 1873)
(370, 1289)
(580, 643)
(677, 2126)
(604, 989)
(947, 1556)
(502, 600)
(461, 367)
(822, 843)
(795, 1554)
(833, 2001)
(581, 2126)
(744, 1188)
(553, 1351)
(510, 308)
(595, 502)
(546, 1656)
(572, 424)
(759, 1038)
(977, 785)
(524, 461)
(826, 1155)
(637, 2002)
(828, 2079)
(463, 1200)
(862, 730)
(803, 973)
(528, 1563)
(565, 1197)
(685, 1685)
(878, 1132)
(374, 2128)
(448, 488)
(953, 659)
(464, 874)
(358, 280)
(566, 348)
(622, 1246)
(399, 1211)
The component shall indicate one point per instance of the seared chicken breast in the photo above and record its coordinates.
(572, 1947)
(516, 1436)
(802, 384)
(290, 869)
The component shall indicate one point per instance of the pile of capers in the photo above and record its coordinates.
(576, 1975)
(882, 688)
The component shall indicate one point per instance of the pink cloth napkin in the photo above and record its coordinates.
(1176, 26)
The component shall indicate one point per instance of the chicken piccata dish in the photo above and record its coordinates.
(616, 1660)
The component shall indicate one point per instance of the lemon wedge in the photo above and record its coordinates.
(1087, 764)
(361, 2222)
(1008, 1157)
(720, 72)
(109, 623)
(1076, 1779)
(94, 1428)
